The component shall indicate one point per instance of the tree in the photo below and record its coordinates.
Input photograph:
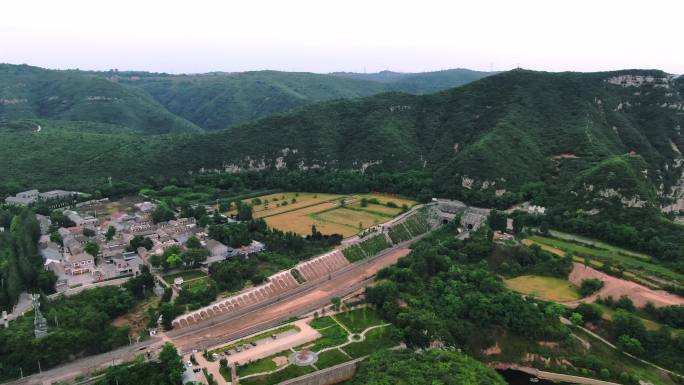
(518, 226)
(140, 241)
(336, 302)
(173, 260)
(245, 212)
(431, 367)
(92, 248)
(576, 318)
(111, 231)
(55, 237)
(171, 363)
(168, 313)
(193, 243)
(155, 260)
(364, 202)
(625, 303)
(630, 345)
(590, 286)
(497, 220)
(162, 213)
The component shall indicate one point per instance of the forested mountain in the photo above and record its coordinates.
(220, 100)
(163, 103)
(32, 92)
(501, 133)
(422, 82)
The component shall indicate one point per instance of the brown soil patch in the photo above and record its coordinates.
(616, 287)
(492, 350)
(138, 318)
(280, 360)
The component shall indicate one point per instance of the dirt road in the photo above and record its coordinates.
(616, 287)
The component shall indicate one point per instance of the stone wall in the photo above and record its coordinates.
(328, 376)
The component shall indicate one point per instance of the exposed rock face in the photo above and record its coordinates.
(632, 80)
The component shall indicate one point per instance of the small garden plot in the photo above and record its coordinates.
(380, 338)
(266, 364)
(354, 253)
(417, 224)
(322, 323)
(186, 275)
(331, 358)
(367, 248)
(374, 245)
(548, 288)
(289, 372)
(360, 319)
(399, 233)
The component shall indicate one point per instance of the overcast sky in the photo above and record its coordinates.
(350, 35)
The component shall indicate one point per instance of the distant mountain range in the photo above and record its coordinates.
(163, 103)
(591, 139)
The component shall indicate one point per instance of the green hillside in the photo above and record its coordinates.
(420, 83)
(499, 133)
(32, 92)
(220, 100)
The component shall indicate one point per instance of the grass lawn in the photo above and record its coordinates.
(549, 288)
(186, 275)
(322, 322)
(379, 338)
(331, 358)
(355, 219)
(291, 371)
(613, 254)
(332, 335)
(262, 365)
(360, 319)
(226, 373)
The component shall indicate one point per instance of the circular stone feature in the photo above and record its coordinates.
(303, 358)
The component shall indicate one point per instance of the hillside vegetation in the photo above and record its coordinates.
(601, 150)
(32, 92)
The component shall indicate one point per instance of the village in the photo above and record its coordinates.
(99, 242)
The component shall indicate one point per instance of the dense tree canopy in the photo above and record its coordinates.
(431, 367)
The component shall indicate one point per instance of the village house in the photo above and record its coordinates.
(252, 248)
(216, 249)
(78, 264)
(80, 221)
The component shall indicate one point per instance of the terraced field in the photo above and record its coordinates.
(298, 211)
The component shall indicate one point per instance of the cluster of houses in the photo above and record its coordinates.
(74, 265)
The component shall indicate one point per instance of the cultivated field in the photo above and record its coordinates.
(325, 211)
(548, 288)
(639, 266)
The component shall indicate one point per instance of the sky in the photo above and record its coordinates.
(329, 35)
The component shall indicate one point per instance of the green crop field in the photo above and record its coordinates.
(549, 288)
